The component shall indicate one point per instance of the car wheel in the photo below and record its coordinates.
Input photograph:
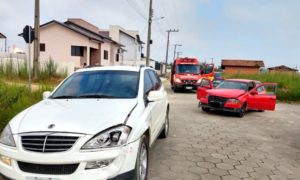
(242, 111)
(175, 90)
(141, 167)
(205, 109)
(165, 132)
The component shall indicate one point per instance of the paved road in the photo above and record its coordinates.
(218, 146)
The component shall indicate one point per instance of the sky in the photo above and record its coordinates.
(210, 30)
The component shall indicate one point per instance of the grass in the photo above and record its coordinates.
(16, 98)
(15, 95)
(288, 86)
(18, 71)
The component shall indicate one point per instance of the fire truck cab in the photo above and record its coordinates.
(186, 73)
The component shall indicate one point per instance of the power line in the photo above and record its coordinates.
(136, 8)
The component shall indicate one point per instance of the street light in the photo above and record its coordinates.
(175, 45)
(178, 54)
(159, 18)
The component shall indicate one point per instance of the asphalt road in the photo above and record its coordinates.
(219, 146)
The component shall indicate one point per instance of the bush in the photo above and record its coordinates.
(288, 85)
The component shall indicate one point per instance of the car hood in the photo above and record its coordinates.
(226, 93)
(86, 116)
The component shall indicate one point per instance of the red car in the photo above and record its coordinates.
(236, 95)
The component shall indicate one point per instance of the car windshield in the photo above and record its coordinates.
(232, 85)
(186, 68)
(216, 82)
(99, 84)
(208, 69)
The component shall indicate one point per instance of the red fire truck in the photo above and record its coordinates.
(186, 73)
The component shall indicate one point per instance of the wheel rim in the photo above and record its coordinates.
(143, 162)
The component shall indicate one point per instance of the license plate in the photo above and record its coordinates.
(188, 87)
(41, 178)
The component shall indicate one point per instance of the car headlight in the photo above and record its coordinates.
(199, 81)
(177, 80)
(112, 137)
(233, 101)
(7, 137)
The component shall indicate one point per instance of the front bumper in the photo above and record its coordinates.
(227, 108)
(186, 86)
(122, 165)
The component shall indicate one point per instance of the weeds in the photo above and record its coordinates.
(288, 85)
(18, 71)
(16, 98)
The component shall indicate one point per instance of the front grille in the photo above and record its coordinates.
(215, 101)
(61, 169)
(47, 143)
(189, 81)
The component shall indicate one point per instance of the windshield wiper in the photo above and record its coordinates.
(64, 97)
(97, 96)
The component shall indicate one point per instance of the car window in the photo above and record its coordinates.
(187, 68)
(93, 84)
(232, 85)
(204, 82)
(155, 79)
(250, 86)
(260, 89)
(148, 85)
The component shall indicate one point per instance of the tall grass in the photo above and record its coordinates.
(288, 85)
(18, 70)
(15, 98)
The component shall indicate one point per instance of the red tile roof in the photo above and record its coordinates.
(282, 68)
(242, 63)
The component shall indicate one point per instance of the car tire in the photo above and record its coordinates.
(175, 90)
(205, 109)
(242, 111)
(165, 132)
(141, 166)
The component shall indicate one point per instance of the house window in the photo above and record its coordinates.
(117, 57)
(76, 51)
(105, 54)
(42, 47)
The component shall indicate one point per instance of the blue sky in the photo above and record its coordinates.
(220, 29)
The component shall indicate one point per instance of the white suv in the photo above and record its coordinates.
(97, 124)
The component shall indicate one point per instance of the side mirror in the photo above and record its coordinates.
(46, 94)
(253, 93)
(155, 96)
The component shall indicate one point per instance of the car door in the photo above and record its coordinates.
(204, 85)
(153, 107)
(160, 108)
(262, 97)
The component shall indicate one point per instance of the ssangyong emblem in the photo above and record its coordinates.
(51, 126)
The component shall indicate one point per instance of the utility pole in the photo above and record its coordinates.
(149, 33)
(178, 53)
(5, 45)
(36, 48)
(175, 45)
(167, 53)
